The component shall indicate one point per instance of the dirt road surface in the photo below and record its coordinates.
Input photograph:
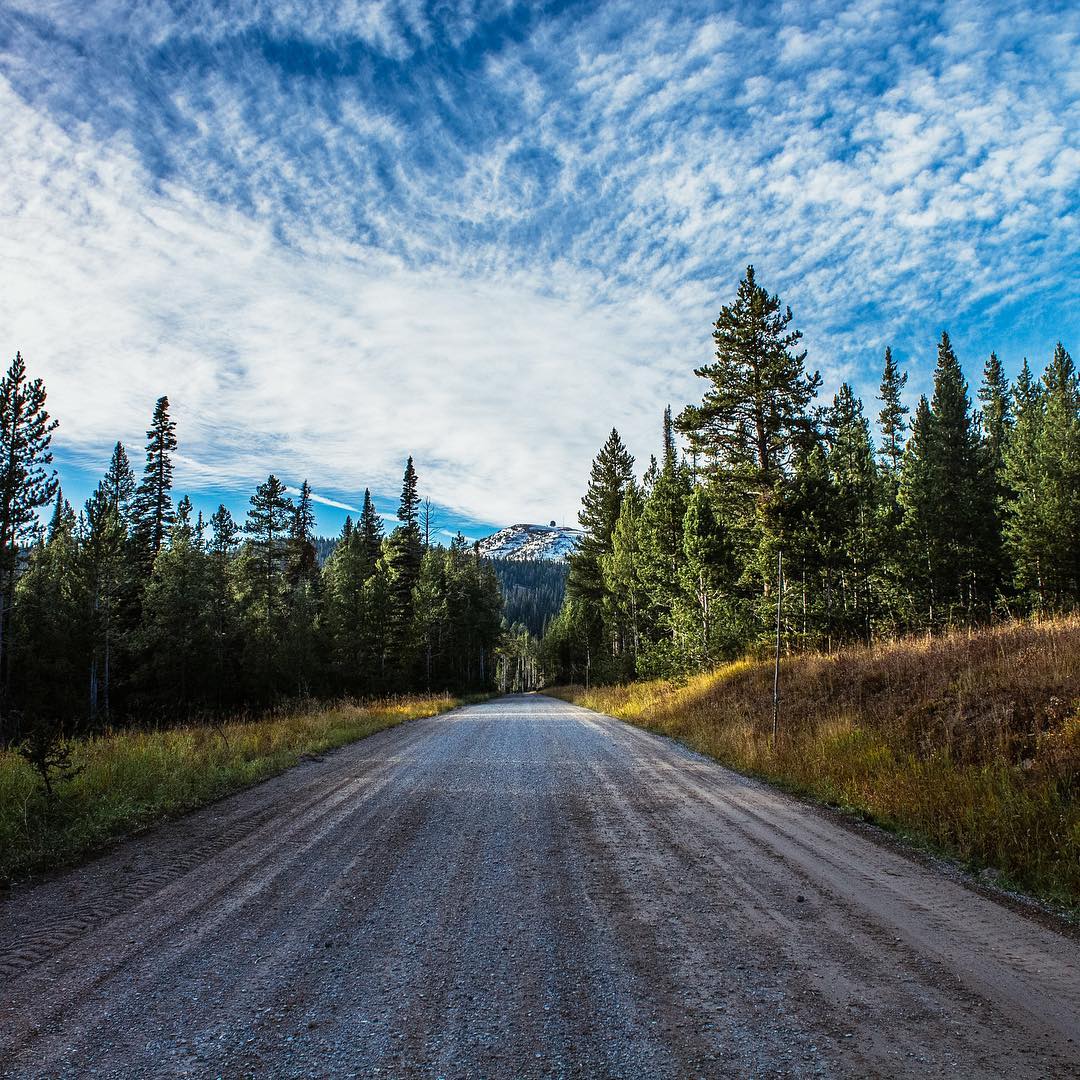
(524, 888)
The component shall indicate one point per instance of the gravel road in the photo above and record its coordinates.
(524, 888)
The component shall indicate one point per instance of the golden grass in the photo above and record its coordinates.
(130, 779)
(969, 742)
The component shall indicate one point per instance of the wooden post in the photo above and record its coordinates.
(776, 668)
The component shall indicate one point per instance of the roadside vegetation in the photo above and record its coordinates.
(960, 513)
(137, 610)
(968, 742)
(121, 781)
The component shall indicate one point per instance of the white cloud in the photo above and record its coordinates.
(491, 270)
(332, 365)
(322, 500)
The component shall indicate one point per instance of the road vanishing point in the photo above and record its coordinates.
(525, 888)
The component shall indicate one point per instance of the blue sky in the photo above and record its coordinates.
(335, 234)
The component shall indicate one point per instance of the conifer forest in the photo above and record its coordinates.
(768, 513)
(134, 609)
(764, 513)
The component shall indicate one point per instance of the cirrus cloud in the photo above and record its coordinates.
(335, 236)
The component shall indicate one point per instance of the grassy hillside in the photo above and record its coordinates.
(129, 779)
(970, 742)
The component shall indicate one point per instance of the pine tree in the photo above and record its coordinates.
(263, 572)
(946, 500)
(303, 562)
(371, 534)
(1059, 481)
(224, 533)
(662, 557)
(890, 580)
(918, 499)
(62, 515)
(403, 554)
(611, 474)
(995, 424)
(27, 483)
(409, 506)
(119, 483)
(891, 420)
(759, 395)
(954, 502)
(855, 484)
(1024, 523)
(996, 398)
(152, 509)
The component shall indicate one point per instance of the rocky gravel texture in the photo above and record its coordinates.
(524, 888)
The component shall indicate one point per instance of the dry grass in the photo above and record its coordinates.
(130, 779)
(970, 742)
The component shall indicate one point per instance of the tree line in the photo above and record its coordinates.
(956, 514)
(136, 609)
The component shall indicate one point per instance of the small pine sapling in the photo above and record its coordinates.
(48, 752)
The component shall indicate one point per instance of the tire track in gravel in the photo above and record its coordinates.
(173, 862)
(523, 888)
(760, 886)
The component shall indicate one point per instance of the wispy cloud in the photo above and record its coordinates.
(322, 500)
(341, 234)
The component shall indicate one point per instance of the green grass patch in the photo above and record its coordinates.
(130, 779)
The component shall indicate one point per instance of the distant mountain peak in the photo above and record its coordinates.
(521, 542)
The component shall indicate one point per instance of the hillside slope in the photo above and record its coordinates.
(524, 542)
(533, 590)
(969, 742)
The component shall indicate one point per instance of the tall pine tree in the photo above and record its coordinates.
(891, 419)
(269, 519)
(611, 474)
(995, 425)
(27, 483)
(403, 554)
(371, 534)
(120, 483)
(662, 555)
(152, 510)
(946, 500)
(759, 394)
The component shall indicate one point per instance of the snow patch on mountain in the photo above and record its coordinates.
(521, 542)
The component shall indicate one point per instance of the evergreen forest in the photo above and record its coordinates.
(137, 609)
(533, 591)
(769, 512)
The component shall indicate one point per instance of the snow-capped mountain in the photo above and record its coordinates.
(521, 542)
